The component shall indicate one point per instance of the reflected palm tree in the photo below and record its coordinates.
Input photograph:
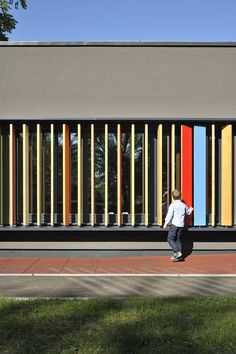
(112, 171)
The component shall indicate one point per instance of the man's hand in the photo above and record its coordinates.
(164, 226)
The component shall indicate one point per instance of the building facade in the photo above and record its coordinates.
(97, 135)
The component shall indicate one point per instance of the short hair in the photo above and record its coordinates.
(176, 194)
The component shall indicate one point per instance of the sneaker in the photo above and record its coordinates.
(174, 256)
(174, 259)
(178, 255)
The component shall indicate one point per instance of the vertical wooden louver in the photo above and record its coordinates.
(79, 175)
(146, 173)
(25, 158)
(159, 173)
(1, 176)
(172, 159)
(199, 176)
(106, 176)
(12, 174)
(52, 175)
(187, 167)
(143, 173)
(132, 174)
(119, 175)
(39, 174)
(92, 177)
(66, 175)
(226, 176)
(213, 175)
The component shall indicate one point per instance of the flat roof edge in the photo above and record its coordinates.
(120, 119)
(114, 44)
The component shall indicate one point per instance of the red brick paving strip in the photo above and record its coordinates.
(127, 265)
(47, 265)
(4, 260)
(80, 265)
(16, 265)
(201, 264)
(195, 264)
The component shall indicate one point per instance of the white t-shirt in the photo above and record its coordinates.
(176, 213)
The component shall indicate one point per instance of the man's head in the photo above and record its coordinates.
(176, 194)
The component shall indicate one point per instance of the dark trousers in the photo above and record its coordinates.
(174, 238)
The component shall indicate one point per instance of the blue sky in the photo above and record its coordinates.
(154, 20)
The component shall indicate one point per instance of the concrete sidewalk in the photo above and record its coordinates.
(118, 286)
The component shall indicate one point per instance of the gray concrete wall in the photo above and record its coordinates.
(87, 81)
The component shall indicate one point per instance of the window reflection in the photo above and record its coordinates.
(46, 171)
(126, 176)
(139, 172)
(99, 146)
(58, 174)
(112, 173)
(74, 177)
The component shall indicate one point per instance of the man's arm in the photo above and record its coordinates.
(169, 216)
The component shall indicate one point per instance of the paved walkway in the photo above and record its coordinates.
(86, 287)
(126, 276)
(221, 264)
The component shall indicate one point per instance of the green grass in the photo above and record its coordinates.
(115, 326)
